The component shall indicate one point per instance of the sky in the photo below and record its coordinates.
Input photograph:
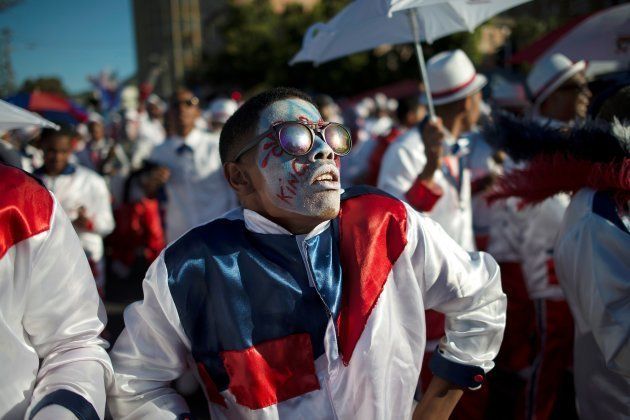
(71, 39)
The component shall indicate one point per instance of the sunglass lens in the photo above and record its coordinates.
(295, 139)
(338, 138)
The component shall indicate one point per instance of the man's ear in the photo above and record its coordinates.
(238, 178)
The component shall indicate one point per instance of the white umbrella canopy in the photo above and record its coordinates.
(605, 37)
(12, 117)
(367, 24)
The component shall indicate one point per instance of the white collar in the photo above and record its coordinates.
(192, 139)
(260, 224)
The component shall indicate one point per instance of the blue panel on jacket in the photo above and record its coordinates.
(234, 288)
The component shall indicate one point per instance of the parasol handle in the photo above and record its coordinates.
(413, 21)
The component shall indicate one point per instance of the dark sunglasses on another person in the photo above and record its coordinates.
(297, 137)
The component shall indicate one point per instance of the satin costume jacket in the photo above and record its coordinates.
(405, 159)
(527, 236)
(593, 264)
(76, 187)
(53, 364)
(324, 325)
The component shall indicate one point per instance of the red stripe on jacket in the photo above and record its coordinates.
(373, 234)
(25, 207)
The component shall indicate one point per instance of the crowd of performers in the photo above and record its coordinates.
(471, 266)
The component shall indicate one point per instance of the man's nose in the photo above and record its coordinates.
(321, 150)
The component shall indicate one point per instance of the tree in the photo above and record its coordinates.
(259, 43)
(44, 84)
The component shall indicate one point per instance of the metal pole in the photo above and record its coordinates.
(413, 21)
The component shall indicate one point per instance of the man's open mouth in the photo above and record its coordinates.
(326, 175)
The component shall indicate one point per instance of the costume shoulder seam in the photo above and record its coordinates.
(26, 207)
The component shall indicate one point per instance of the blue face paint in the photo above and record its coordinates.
(308, 185)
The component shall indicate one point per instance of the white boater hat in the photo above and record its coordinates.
(222, 109)
(548, 74)
(452, 77)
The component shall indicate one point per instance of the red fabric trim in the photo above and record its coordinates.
(551, 272)
(457, 88)
(517, 349)
(374, 166)
(272, 371)
(482, 242)
(434, 322)
(546, 176)
(89, 226)
(25, 207)
(373, 234)
(424, 195)
(212, 392)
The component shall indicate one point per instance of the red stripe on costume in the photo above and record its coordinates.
(212, 393)
(551, 272)
(272, 371)
(373, 234)
(25, 207)
(447, 92)
(423, 195)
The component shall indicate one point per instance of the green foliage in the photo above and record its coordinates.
(259, 43)
(44, 84)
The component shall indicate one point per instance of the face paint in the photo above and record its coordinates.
(307, 185)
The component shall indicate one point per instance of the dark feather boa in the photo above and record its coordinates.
(523, 139)
(594, 155)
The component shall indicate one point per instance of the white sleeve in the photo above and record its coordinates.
(400, 167)
(102, 217)
(538, 227)
(150, 353)
(593, 261)
(466, 288)
(63, 319)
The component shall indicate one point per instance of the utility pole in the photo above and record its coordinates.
(6, 68)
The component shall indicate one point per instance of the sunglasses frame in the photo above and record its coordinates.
(275, 131)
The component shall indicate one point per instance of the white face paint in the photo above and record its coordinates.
(307, 185)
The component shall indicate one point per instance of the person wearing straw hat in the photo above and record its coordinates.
(423, 167)
(558, 89)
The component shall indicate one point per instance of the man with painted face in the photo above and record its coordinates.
(307, 302)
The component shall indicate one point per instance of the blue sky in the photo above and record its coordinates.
(71, 39)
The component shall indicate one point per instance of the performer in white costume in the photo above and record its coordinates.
(83, 195)
(258, 304)
(53, 364)
(592, 258)
(418, 168)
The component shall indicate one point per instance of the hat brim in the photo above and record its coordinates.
(478, 83)
(569, 73)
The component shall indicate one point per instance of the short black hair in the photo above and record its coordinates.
(406, 105)
(241, 126)
(51, 134)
